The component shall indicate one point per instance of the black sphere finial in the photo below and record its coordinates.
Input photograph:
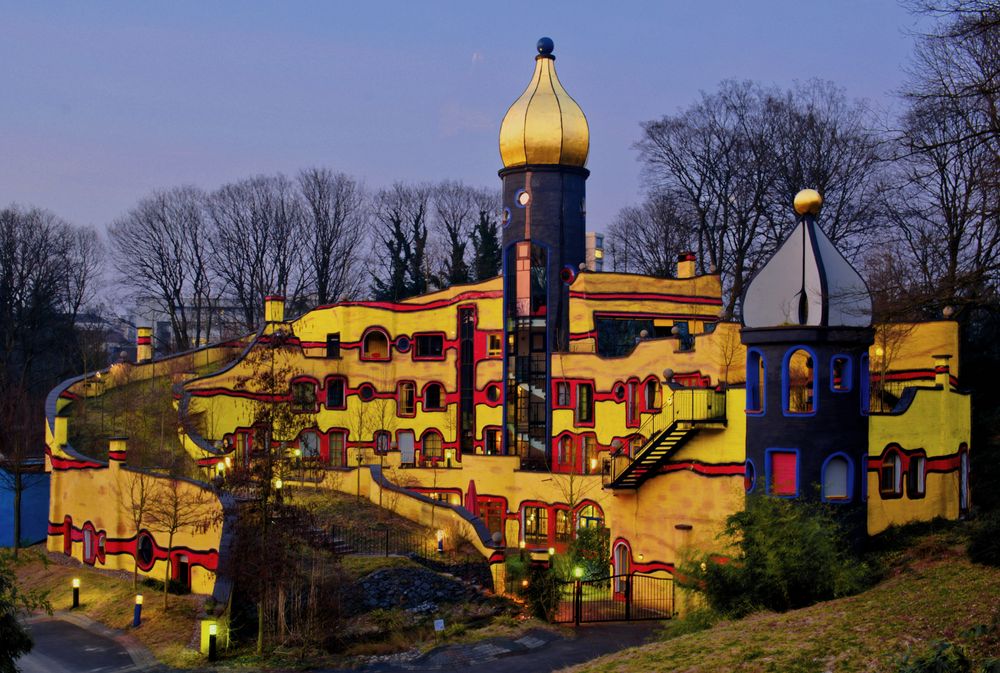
(545, 46)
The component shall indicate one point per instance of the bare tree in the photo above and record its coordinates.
(336, 218)
(258, 245)
(647, 238)
(21, 463)
(176, 506)
(454, 215)
(159, 248)
(135, 492)
(399, 261)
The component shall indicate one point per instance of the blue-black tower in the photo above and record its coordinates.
(544, 142)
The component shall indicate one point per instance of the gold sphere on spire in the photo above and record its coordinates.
(808, 201)
(545, 125)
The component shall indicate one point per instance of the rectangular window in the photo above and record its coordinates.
(495, 345)
(584, 403)
(564, 528)
(335, 388)
(840, 374)
(590, 454)
(333, 345)
(562, 394)
(783, 473)
(755, 382)
(337, 448)
(406, 405)
(309, 444)
(430, 346)
(536, 526)
(492, 513)
(916, 476)
(303, 397)
(492, 441)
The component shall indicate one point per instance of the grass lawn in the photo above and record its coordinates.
(935, 593)
(108, 597)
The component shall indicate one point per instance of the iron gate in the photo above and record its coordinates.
(619, 598)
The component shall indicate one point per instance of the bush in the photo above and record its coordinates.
(984, 544)
(544, 592)
(943, 657)
(698, 619)
(789, 554)
(590, 550)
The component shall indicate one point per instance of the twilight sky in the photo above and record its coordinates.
(101, 103)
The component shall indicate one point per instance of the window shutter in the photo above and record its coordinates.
(784, 473)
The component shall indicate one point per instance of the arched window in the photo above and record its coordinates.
(89, 543)
(382, 441)
(916, 476)
(375, 346)
(837, 481)
(755, 381)
(433, 445)
(840, 374)
(890, 479)
(622, 562)
(799, 381)
(433, 396)
(590, 516)
(144, 550)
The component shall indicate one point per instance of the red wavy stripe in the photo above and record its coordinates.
(70, 464)
(408, 307)
(724, 470)
(636, 296)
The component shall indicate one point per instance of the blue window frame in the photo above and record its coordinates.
(781, 472)
(799, 388)
(841, 373)
(749, 476)
(756, 379)
(837, 478)
(866, 381)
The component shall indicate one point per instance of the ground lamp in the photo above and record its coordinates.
(440, 541)
(137, 615)
(213, 634)
(76, 592)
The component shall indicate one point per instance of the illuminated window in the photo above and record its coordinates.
(564, 526)
(495, 345)
(584, 403)
(492, 441)
(590, 517)
(492, 513)
(536, 526)
(590, 454)
(566, 451)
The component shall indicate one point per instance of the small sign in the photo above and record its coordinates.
(439, 625)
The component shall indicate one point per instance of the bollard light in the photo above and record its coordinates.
(552, 551)
(76, 592)
(578, 572)
(137, 615)
(278, 484)
(213, 631)
(521, 544)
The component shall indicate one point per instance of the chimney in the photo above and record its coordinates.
(274, 308)
(143, 344)
(942, 371)
(117, 451)
(686, 265)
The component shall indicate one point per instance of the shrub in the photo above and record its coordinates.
(984, 545)
(544, 592)
(789, 554)
(943, 657)
(698, 619)
(590, 550)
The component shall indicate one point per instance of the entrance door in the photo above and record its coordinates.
(406, 452)
(182, 571)
(621, 567)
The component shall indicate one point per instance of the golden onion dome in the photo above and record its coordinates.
(545, 125)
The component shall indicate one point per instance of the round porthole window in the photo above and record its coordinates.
(144, 550)
(749, 476)
(522, 198)
(505, 217)
(366, 392)
(403, 344)
(619, 392)
(493, 393)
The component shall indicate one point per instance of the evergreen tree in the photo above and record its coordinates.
(486, 240)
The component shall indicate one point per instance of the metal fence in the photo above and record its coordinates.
(619, 598)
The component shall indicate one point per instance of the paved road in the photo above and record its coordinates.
(62, 647)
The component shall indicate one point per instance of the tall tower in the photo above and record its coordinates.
(544, 142)
(807, 316)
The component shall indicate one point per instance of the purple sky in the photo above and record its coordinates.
(102, 103)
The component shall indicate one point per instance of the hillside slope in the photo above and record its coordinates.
(938, 594)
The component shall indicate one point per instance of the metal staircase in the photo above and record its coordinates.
(686, 412)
